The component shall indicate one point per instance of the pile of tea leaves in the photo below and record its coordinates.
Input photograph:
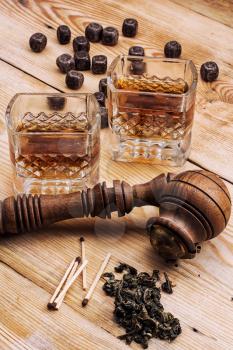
(137, 305)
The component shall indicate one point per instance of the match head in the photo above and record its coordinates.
(52, 306)
(82, 239)
(85, 302)
(78, 259)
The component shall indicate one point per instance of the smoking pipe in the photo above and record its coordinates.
(194, 206)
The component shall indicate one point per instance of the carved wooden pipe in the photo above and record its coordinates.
(194, 206)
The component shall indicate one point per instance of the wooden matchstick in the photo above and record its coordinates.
(73, 270)
(96, 280)
(60, 296)
(58, 301)
(63, 280)
(83, 254)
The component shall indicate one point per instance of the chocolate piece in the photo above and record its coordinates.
(110, 36)
(209, 71)
(130, 27)
(82, 60)
(93, 32)
(37, 42)
(100, 98)
(63, 34)
(172, 49)
(103, 86)
(99, 64)
(65, 62)
(104, 117)
(137, 67)
(136, 51)
(81, 43)
(56, 103)
(74, 79)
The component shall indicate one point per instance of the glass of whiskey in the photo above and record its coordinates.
(54, 142)
(151, 107)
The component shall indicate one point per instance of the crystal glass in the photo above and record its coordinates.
(54, 142)
(151, 107)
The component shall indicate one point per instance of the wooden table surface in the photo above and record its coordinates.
(32, 265)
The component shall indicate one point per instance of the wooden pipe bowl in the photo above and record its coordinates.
(195, 205)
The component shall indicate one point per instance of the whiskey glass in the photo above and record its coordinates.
(54, 142)
(151, 107)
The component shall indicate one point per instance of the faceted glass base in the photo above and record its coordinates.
(53, 187)
(152, 151)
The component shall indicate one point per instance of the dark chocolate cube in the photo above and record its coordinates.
(99, 64)
(209, 71)
(172, 49)
(63, 34)
(136, 51)
(93, 32)
(100, 98)
(81, 43)
(104, 117)
(103, 86)
(82, 60)
(74, 79)
(130, 27)
(137, 67)
(56, 103)
(65, 63)
(37, 42)
(110, 36)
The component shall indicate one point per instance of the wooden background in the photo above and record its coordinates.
(32, 265)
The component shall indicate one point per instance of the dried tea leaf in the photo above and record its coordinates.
(167, 285)
(137, 305)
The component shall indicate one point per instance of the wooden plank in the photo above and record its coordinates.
(214, 101)
(26, 324)
(34, 16)
(213, 129)
(201, 302)
(219, 10)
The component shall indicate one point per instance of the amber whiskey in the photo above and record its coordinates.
(151, 113)
(55, 152)
(151, 116)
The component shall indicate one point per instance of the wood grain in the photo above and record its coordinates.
(219, 10)
(40, 329)
(199, 36)
(202, 296)
(25, 254)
